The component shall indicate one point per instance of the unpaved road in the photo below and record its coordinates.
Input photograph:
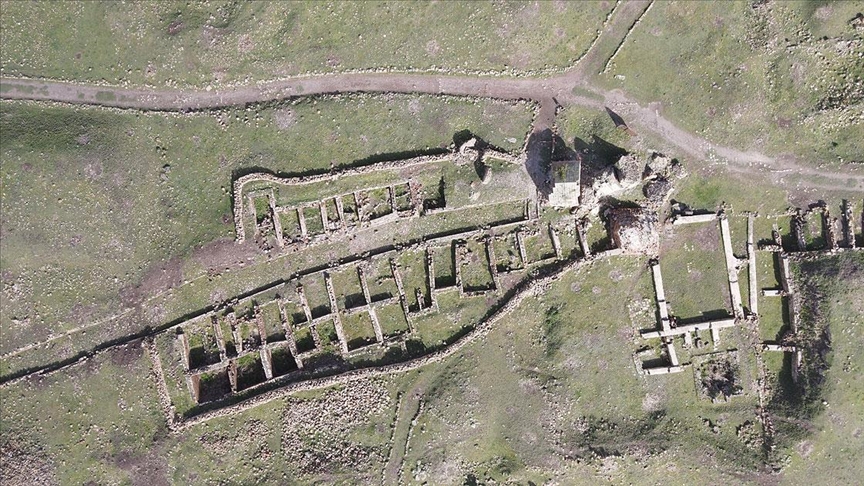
(541, 90)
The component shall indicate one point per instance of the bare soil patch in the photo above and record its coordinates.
(144, 470)
(224, 253)
(285, 118)
(158, 279)
(128, 355)
(707, 237)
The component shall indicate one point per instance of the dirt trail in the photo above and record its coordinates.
(540, 90)
(407, 414)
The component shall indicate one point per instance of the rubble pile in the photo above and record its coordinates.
(634, 230)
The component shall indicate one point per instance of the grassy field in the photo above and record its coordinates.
(831, 406)
(694, 272)
(123, 440)
(576, 122)
(563, 380)
(103, 208)
(781, 77)
(220, 42)
(565, 384)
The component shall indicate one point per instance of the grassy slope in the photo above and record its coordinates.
(537, 374)
(94, 199)
(86, 423)
(755, 92)
(548, 394)
(832, 453)
(101, 422)
(203, 43)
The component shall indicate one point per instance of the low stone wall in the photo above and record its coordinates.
(529, 288)
(239, 184)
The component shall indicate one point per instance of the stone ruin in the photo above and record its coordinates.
(277, 337)
(717, 377)
(820, 234)
(634, 230)
(566, 176)
(259, 214)
(655, 174)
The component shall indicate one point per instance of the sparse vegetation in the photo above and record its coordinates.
(222, 43)
(784, 77)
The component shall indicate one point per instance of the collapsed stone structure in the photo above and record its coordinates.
(836, 235)
(655, 173)
(634, 230)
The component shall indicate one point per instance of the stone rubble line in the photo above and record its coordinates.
(458, 242)
(239, 209)
(428, 242)
(529, 288)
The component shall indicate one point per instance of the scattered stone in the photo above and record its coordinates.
(633, 230)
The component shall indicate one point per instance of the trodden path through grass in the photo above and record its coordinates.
(408, 412)
(548, 92)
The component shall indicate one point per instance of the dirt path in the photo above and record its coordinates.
(607, 44)
(540, 90)
(406, 418)
(648, 119)
(160, 100)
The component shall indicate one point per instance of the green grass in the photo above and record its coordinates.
(694, 272)
(303, 338)
(392, 320)
(272, 319)
(580, 122)
(580, 397)
(358, 330)
(456, 313)
(771, 309)
(475, 267)
(507, 253)
(756, 93)
(443, 262)
(539, 247)
(213, 43)
(327, 333)
(835, 454)
(380, 279)
(413, 271)
(125, 193)
(346, 284)
(709, 191)
(107, 408)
